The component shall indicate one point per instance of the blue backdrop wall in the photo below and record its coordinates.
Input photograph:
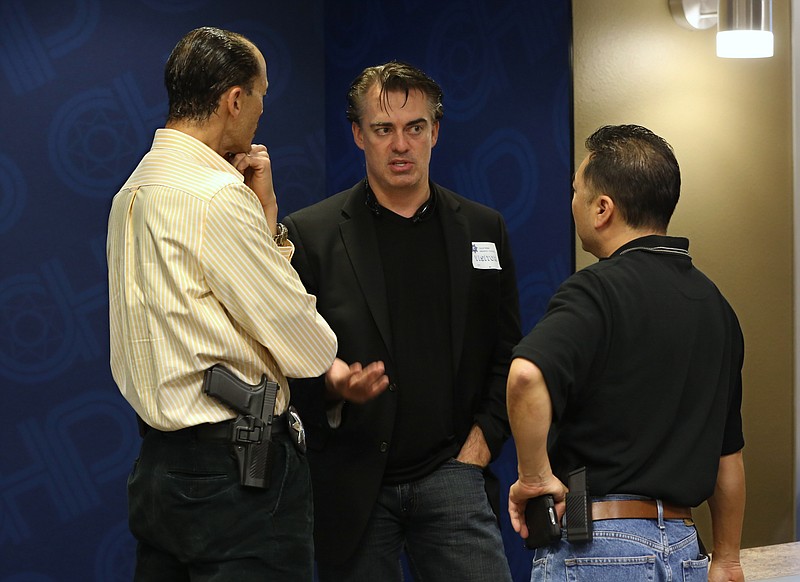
(81, 85)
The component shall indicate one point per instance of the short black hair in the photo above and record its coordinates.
(203, 65)
(638, 170)
(393, 76)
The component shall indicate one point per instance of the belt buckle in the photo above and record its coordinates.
(298, 432)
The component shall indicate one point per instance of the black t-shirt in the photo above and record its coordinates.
(415, 267)
(642, 357)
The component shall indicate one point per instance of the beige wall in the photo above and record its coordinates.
(730, 124)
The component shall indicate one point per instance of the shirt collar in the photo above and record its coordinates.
(177, 140)
(655, 243)
(424, 212)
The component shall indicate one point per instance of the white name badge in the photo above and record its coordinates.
(484, 256)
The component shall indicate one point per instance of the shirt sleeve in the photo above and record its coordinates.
(733, 439)
(252, 278)
(568, 343)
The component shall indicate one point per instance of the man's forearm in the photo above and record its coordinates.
(727, 508)
(530, 414)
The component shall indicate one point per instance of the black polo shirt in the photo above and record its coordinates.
(642, 357)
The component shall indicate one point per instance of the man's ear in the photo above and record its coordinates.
(232, 101)
(358, 135)
(604, 210)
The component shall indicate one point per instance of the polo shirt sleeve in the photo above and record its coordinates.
(251, 277)
(733, 437)
(569, 343)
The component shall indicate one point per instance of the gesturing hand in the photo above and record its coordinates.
(355, 383)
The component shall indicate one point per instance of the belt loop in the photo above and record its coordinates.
(660, 505)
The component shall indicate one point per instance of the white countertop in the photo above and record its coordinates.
(778, 563)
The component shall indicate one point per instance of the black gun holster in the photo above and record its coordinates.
(251, 431)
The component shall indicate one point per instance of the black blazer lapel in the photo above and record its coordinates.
(361, 244)
(456, 235)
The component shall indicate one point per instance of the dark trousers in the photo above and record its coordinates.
(442, 521)
(193, 521)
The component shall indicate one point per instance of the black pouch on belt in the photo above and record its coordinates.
(579, 508)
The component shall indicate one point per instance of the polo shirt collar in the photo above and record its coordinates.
(656, 244)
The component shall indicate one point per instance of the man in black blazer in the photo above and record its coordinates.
(418, 283)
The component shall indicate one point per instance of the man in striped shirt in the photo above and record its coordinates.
(199, 274)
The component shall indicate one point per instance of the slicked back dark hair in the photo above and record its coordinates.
(203, 65)
(393, 76)
(638, 170)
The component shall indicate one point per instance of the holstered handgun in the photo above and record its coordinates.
(251, 431)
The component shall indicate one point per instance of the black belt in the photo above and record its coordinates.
(216, 432)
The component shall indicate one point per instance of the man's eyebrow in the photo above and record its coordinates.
(420, 121)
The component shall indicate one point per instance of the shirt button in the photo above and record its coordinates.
(384, 446)
(392, 387)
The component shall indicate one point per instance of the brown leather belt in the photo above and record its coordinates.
(636, 509)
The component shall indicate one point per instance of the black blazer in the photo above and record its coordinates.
(337, 258)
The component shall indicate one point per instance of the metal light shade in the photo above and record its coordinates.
(744, 29)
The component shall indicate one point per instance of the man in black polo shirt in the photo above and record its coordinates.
(418, 284)
(637, 367)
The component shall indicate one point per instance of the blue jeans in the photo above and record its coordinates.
(445, 524)
(625, 549)
(193, 521)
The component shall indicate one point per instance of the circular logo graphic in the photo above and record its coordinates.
(36, 341)
(13, 193)
(94, 143)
